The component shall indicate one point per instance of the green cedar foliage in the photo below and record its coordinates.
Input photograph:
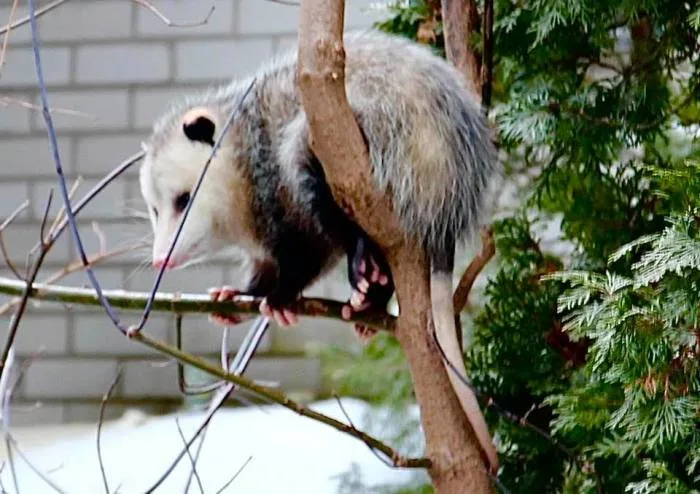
(596, 344)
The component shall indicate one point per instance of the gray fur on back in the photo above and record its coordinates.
(430, 148)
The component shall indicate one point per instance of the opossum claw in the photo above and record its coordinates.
(223, 294)
(283, 317)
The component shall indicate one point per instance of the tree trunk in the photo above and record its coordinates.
(457, 466)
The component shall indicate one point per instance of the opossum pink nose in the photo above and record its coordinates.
(158, 263)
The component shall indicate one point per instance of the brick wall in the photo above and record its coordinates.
(111, 66)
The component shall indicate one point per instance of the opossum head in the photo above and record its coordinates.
(218, 215)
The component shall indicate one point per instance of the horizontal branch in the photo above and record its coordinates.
(279, 398)
(189, 303)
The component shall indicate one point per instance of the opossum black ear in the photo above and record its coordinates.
(198, 126)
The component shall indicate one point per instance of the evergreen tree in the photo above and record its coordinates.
(596, 346)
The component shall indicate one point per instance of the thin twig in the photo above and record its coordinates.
(26, 19)
(3, 247)
(464, 288)
(274, 396)
(189, 455)
(92, 193)
(394, 462)
(235, 475)
(53, 141)
(182, 385)
(103, 407)
(14, 215)
(34, 469)
(7, 391)
(189, 303)
(170, 23)
(73, 267)
(7, 101)
(6, 40)
(238, 366)
(28, 286)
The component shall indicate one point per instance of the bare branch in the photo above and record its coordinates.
(460, 19)
(189, 455)
(33, 272)
(170, 23)
(7, 101)
(38, 13)
(6, 40)
(3, 247)
(464, 288)
(189, 303)
(103, 407)
(334, 133)
(274, 396)
(235, 475)
(73, 267)
(13, 216)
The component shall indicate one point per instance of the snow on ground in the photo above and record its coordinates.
(291, 454)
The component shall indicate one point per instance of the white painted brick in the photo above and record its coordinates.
(32, 157)
(47, 333)
(360, 14)
(108, 277)
(20, 239)
(99, 155)
(76, 21)
(274, 18)
(286, 44)
(94, 333)
(144, 379)
(201, 336)
(206, 60)
(107, 204)
(122, 63)
(101, 109)
(18, 34)
(118, 235)
(149, 105)
(289, 373)
(14, 116)
(69, 378)
(28, 413)
(11, 196)
(19, 67)
(186, 12)
(271, 18)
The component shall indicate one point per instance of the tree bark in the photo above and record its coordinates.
(457, 465)
(460, 19)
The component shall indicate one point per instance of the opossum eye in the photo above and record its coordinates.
(200, 129)
(181, 202)
(155, 213)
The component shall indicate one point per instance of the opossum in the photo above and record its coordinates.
(266, 194)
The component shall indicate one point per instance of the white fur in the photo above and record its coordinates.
(175, 169)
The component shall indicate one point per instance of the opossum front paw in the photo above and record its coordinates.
(282, 315)
(221, 295)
